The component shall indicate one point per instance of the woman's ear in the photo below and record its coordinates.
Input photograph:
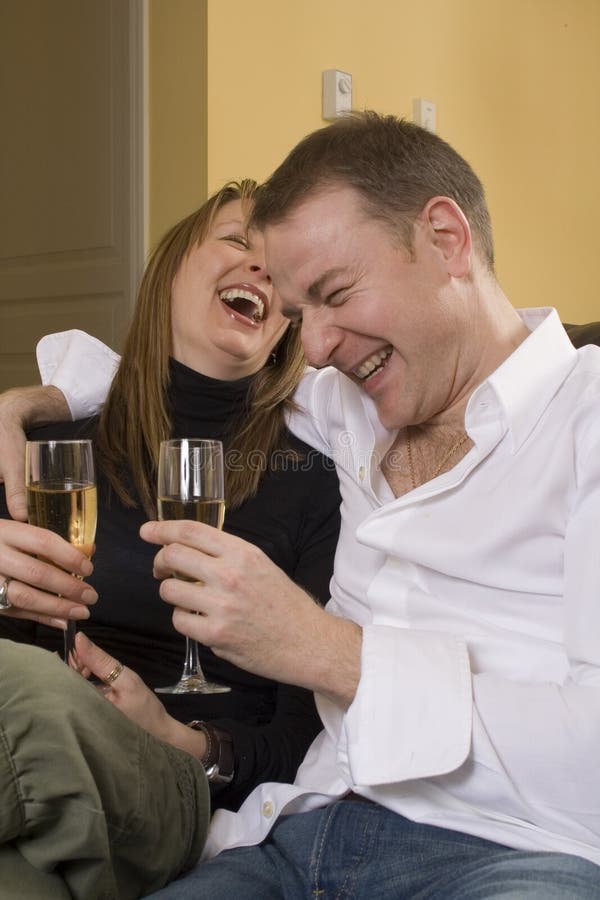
(450, 234)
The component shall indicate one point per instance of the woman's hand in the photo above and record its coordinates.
(22, 408)
(130, 695)
(38, 564)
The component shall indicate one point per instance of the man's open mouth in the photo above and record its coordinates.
(245, 303)
(373, 364)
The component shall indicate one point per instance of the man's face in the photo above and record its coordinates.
(390, 320)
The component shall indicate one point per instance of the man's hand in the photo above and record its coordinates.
(38, 563)
(251, 613)
(22, 408)
(129, 694)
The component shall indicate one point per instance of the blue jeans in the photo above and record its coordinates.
(357, 850)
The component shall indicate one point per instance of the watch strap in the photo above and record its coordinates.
(218, 759)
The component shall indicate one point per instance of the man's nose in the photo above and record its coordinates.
(319, 338)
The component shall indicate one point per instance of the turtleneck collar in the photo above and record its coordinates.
(203, 407)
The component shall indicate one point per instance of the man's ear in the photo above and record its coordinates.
(450, 233)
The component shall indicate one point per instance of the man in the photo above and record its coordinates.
(457, 667)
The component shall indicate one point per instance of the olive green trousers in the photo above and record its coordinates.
(91, 806)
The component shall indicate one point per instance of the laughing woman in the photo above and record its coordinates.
(208, 355)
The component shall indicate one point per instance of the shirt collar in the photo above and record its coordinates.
(524, 384)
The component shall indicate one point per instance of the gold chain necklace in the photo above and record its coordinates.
(435, 474)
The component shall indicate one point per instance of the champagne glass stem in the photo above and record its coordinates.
(69, 637)
(191, 666)
(191, 486)
(193, 680)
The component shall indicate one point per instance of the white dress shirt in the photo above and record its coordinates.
(81, 366)
(478, 707)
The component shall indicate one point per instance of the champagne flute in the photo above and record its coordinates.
(61, 496)
(191, 486)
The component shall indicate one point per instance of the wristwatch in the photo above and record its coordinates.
(218, 758)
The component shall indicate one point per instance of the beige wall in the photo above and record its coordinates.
(177, 126)
(516, 84)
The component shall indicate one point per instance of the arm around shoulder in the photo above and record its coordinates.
(22, 408)
(81, 366)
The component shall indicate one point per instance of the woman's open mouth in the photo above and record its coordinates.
(247, 302)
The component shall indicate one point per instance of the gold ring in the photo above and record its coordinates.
(112, 676)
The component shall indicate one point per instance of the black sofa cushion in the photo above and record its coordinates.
(584, 334)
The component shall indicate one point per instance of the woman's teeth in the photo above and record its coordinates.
(245, 303)
(372, 364)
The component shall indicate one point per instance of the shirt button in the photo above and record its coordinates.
(268, 809)
(361, 473)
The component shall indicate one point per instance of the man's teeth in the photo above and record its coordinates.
(373, 363)
(232, 295)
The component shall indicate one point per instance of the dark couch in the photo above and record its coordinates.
(584, 334)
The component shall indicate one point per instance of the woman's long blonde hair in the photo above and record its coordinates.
(136, 417)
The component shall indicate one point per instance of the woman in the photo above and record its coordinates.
(208, 355)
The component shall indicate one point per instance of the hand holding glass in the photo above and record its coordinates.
(191, 486)
(61, 496)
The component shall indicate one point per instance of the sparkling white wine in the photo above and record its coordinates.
(190, 486)
(68, 510)
(211, 512)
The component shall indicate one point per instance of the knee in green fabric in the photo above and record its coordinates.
(40, 694)
(21, 881)
(27, 672)
(91, 786)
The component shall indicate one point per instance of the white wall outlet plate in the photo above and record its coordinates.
(337, 93)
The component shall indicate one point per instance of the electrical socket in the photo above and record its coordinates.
(337, 93)
(424, 113)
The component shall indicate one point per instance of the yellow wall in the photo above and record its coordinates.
(516, 84)
(177, 130)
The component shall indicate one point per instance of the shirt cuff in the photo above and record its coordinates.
(80, 366)
(412, 713)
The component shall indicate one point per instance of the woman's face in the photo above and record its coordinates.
(224, 315)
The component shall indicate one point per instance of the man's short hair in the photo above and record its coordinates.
(394, 165)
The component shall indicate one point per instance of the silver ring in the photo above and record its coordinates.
(4, 601)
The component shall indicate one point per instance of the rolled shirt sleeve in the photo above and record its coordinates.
(80, 366)
(412, 710)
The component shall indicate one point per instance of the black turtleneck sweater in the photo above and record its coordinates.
(294, 519)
